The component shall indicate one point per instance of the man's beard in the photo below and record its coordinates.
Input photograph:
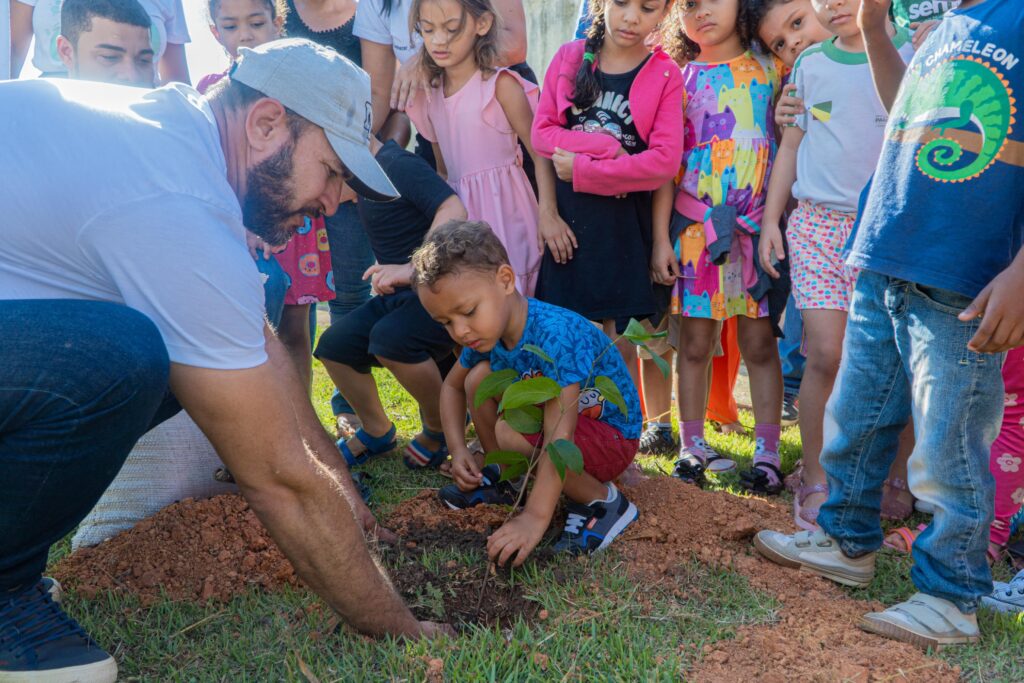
(267, 209)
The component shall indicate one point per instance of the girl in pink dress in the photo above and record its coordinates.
(475, 115)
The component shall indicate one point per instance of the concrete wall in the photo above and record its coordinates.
(549, 25)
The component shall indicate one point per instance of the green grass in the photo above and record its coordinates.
(602, 625)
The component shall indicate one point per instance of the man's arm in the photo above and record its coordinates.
(512, 40)
(280, 462)
(173, 66)
(21, 35)
(887, 67)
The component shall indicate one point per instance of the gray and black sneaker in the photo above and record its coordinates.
(590, 528)
(39, 642)
(657, 440)
(491, 491)
(790, 411)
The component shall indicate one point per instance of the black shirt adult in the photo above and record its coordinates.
(396, 228)
(339, 38)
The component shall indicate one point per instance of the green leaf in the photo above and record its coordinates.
(493, 385)
(530, 392)
(611, 393)
(539, 352)
(505, 458)
(525, 420)
(636, 333)
(565, 454)
(510, 472)
(658, 360)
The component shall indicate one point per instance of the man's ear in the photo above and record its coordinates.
(506, 278)
(266, 127)
(66, 52)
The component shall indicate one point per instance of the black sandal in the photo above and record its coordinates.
(758, 480)
(690, 470)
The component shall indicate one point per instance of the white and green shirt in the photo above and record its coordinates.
(844, 123)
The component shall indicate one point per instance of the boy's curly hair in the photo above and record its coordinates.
(676, 43)
(485, 49)
(454, 247)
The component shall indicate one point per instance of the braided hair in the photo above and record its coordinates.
(588, 87)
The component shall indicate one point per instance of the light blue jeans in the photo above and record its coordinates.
(793, 360)
(906, 354)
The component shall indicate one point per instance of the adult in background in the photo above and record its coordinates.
(41, 19)
(107, 41)
(101, 341)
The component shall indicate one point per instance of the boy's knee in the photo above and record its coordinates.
(474, 377)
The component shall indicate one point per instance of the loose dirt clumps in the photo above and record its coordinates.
(816, 637)
(193, 550)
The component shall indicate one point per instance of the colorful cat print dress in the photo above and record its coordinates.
(729, 145)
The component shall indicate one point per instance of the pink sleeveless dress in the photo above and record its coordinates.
(485, 165)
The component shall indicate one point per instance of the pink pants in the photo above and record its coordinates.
(1007, 459)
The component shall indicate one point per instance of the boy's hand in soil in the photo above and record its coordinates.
(466, 470)
(788, 107)
(516, 537)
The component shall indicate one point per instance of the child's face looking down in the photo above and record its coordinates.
(709, 22)
(474, 306)
(629, 22)
(244, 23)
(449, 32)
(838, 16)
(791, 27)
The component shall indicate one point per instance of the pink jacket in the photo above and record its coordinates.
(656, 102)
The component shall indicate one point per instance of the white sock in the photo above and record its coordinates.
(612, 493)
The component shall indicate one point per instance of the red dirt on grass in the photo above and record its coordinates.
(816, 637)
(191, 550)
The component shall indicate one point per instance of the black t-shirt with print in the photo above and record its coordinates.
(610, 114)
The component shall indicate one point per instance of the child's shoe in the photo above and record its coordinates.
(765, 476)
(817, 553)
(697, 458)
(590, 528)
(1007, 597)
(490, 492)
(924, 621)
(790, 411)
(657, 440)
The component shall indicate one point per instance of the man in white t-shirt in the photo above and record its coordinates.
(106, 41)
(126, 288)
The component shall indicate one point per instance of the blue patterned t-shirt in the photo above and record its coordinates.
(574, 343)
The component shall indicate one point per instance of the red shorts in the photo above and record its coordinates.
(606, 453)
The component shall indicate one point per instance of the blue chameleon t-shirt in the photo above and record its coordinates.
(946, 205)
(574, 343)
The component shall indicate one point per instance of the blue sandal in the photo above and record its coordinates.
(417, 456)
(375, 445)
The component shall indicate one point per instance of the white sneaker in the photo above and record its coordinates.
(1007, 597)
(925, 621)
(817, 553)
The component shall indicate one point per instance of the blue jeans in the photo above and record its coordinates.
(80, 383)
(274, 287)
(351, 255)
(793, 361)
(906, 354)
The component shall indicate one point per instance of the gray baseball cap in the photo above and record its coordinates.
(326, 89)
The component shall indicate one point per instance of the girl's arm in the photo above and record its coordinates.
(442, 170)
(647, 170)
(548, 132)
(379, 62)
(780, 187)
(552, 230)
(664, 263)
(887, 65)
(21, 35)
(173, 66)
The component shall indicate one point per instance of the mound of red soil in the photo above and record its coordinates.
(191, 550)
(816, 637)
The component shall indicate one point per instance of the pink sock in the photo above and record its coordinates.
(769, 436)
(689, 430)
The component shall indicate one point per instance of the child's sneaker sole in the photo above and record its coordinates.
(98, 672)
(924, 621)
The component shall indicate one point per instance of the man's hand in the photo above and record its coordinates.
(556, 235)
(563, 164)
(516, 537)
(257, 245)
(664, 263)
(1001, 309)
(371, 528)
(433, 629)
(409, 79)
(873, 14)
(770, 249)
(466, 470)
(384, 279)
(788, 107)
